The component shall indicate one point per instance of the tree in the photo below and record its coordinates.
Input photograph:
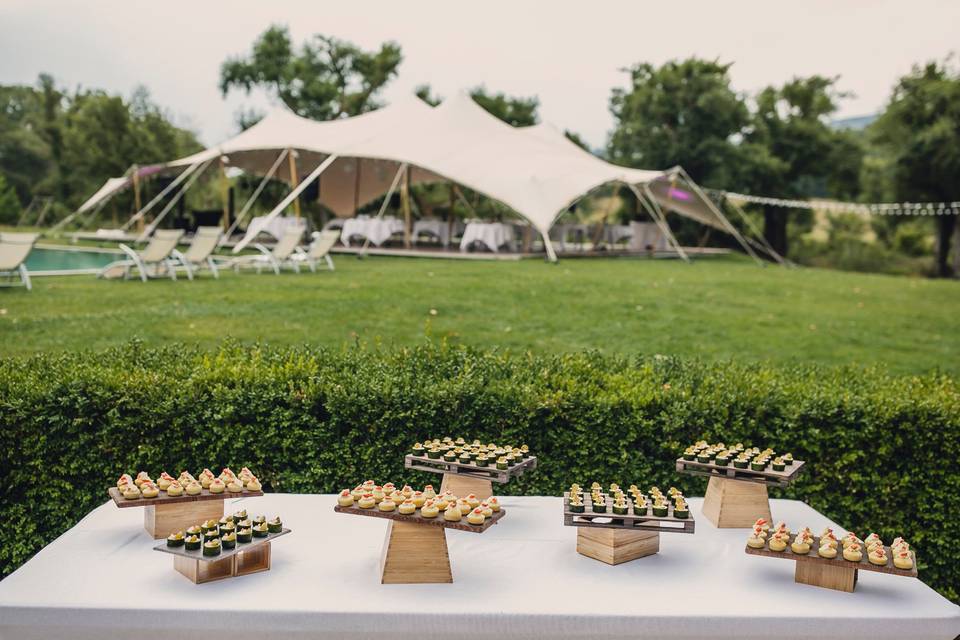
(577, 139)
(325, 79)
(683, 112)
(920, 130)
(425, 93)
(790, 151)
(9, 204)
(515, 111)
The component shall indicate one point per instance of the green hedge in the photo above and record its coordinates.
(884, 450)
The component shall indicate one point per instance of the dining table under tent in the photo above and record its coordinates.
(535, 172)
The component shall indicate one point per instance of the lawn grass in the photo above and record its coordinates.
(713, 308)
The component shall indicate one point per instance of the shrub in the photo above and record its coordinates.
(883, 450)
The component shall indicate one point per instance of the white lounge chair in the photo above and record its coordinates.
(200, 252)
(318, 250)
(277, 257)
(157, 255)
(14, 249)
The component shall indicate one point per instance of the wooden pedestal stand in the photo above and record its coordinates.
(736, 498)
(614, 539)
(832, 573)
(164, 515)
(464, 479)
(244, 559)
(415, 548)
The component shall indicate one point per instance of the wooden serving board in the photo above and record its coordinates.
(163, 499)
(416, 518)
(423, 463)
(225, 553)
(768, 476)
(632, 521)
(863, 565)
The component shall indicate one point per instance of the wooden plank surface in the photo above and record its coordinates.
(225, 553)
(423, 463)
(616, 546)
(416, 518)
(863, 565)
(636, 521)
(164, 499)
(768, 476)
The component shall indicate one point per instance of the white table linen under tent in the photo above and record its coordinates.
(534, 171)
(276, 226)
(439, 229)
(376, 230)
(646, 235)
(492, 235)
(520, 579)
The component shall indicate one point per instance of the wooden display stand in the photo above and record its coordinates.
(736, 498)
(164, 515)
(615, 539)
(415, 548)
(832, 573)
(464, 479)
(244, 559)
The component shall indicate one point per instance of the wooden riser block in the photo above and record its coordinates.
(826, 576)
(615, 546)
(164, 519)
(415, 554)
(253, 561)
(463, 486)
(199, 572)
(735, 504)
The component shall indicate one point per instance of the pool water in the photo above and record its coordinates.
(41, 259)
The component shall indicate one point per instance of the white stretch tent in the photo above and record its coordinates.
(535, 171)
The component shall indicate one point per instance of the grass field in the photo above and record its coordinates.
(714, 308)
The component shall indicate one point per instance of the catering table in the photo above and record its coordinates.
(520, 579)
(437, 228)
(377, 230)
(493, 235)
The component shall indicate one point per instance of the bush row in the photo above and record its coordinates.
(883, 450)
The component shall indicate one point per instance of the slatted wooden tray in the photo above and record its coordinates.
(423, 463)
(768, 476)
(225, 553)
(863, 565)
(645, 521)
(416, 518)
(164, 499)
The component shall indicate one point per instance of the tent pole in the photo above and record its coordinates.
(730, 228)
(650, 204)
(136, 194)
(224, 194)
(292, 157)
(769, 250)
(356, 186)
(383, 205)
(173, 201)
(170, 187)
(290, 198)
(253, 198)
(453, 201)
(548, 246)
(405, 203)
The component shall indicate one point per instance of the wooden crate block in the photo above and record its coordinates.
(252, 561)
(414, 554)
(200, 572)
(463, 486)
(826, 576)
(615, 546)
(735, 504)
(163, 519)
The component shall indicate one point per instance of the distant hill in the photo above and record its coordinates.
(856, 123)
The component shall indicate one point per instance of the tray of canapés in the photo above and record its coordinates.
(630, 509)
(142, 491)
(738, 462)
(218, 539)
(848, 551)
(489, 461)
(467, 513)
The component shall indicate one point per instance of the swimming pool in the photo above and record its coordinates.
(49, 260)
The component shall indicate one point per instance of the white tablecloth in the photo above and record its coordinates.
(437, 228)
(520, 579)
(647, 234)
(493, 235)
(378, 230)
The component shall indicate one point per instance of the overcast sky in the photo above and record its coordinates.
(569, 54)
